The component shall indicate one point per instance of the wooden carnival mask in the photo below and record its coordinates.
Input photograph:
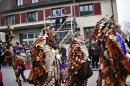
(106, 26)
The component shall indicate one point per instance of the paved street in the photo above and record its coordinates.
(9, 78)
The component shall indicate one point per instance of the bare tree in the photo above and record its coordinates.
(126, 27)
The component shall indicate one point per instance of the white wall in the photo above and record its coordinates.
(2, 36)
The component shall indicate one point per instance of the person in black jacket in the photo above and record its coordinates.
(94, 53)
(63, 52)
(129, 43)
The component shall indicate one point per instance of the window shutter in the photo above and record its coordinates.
(76, 10)
(24, 1)
(40, 15)
(39, 0)
(43, 0)
(67, 8)
(47, 12)
(97, 8)
(0, 21)
(23, 17)
(14, 2)
(3, 21)
(28, 1)
(17, 18)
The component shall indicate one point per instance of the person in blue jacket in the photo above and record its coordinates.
(57, 21)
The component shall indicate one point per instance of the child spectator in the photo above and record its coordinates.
(28, 56)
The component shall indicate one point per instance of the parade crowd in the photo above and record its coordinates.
(52, 64)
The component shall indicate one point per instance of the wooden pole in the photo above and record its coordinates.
(11, 35)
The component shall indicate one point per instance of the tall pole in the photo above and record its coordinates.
(11, 35)
(74, 27)
(112, 6)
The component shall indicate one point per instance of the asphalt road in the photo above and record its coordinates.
(10, 80)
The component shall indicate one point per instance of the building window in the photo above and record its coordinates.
(10, 19)
(60, 36)
(86, 9)
(54, 11)
(34, 1)
(24, 36)
(19, 2)
(88, 32)
(32, 16)
(29, 37)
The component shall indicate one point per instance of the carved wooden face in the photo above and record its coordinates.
(106, 26)
(51, 31)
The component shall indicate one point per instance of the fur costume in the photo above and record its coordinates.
(78, 54)
(43, 57)
(114, 65)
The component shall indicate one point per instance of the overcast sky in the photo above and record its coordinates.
(123, 7)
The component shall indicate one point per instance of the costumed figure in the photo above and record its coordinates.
(43, 59)
(113, 61)
(19, 61)
(9, 50)
(78, 67)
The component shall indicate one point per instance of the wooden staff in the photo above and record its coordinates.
(57, 80)
(8, 43)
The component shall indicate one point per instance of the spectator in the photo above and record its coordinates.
(57, 21)
(63, 19)
(1, 79)
(87, 42)
(94, 53)
(63, 53)
(28, 57)
(1, 57)
(129, 43)
(6, 56)
(15, 48)
(28, 47)
(126, 45)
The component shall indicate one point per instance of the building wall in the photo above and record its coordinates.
(88, 21)
(82, 21)
(16, 38)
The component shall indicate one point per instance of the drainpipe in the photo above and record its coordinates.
(74, 21)
(112, 6)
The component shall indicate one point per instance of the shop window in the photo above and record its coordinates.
(24, 36)
(30, 42)
(19, 2)
(24, 42)
(31, 35)
(86, 10)
(10, 18)
(32, 16)
(36, 35)
(34, 1)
